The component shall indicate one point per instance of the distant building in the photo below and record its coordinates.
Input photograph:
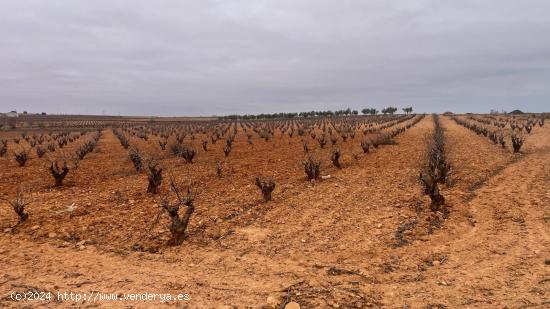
(12, 114)
(9, 119)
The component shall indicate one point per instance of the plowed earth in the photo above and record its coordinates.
(363, 237)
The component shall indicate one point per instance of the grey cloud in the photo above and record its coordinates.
(218, 57)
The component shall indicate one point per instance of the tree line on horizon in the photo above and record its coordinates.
(328, 113)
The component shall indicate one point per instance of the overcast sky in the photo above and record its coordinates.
(206, 57)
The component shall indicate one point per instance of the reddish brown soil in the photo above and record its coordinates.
(328, 244)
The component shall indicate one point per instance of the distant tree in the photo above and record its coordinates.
(389, 110)
(370, 111)
(408, 110)
(327, 113)
(516, 112)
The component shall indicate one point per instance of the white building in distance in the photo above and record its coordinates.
(12, 114)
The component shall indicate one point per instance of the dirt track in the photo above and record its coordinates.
(331, 244)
